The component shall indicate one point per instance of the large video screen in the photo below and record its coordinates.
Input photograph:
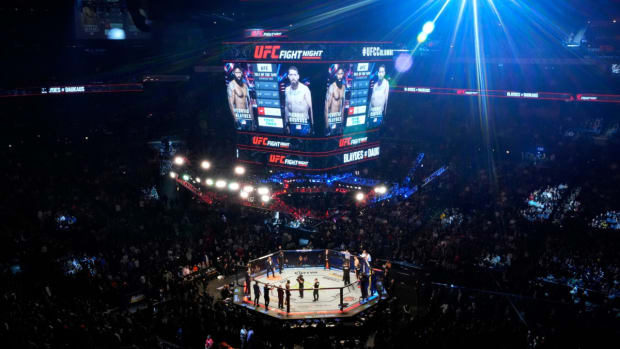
(105, 19)
(311, 100)
(312, 106)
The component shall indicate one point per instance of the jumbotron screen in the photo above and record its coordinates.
(307, 100)
(305, 106)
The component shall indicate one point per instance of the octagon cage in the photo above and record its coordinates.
(329, 280)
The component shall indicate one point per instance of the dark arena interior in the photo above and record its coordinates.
(310, 174)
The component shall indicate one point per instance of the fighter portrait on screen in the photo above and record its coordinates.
(239, 101)
(379, 97)
(334, 103)
(89, 17)
(298, 105)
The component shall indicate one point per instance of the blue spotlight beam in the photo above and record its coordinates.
(423, 36)
(482, 85)
(441, 11)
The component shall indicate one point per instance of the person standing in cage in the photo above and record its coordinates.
(365, 271)
(266, 296)
(280, 297)
(346, 268)
(256, 293)
(356, 264)
(248, 281)
(300, 281)
(327, 259)
(281, 259)
(288, 296)
(315, 293)
(270, 266)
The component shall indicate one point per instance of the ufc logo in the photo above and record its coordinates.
(263, 51)
(273, 158)
(257, 33)
(259, 140)
(263, 68)
(344, 142)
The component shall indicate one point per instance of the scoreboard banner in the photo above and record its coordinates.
(267, 142)
(568, 97)
(308, 52)
(72, 90)
(305, 104)
(258, 33)
(311, 162)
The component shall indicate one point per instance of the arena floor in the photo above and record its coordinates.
(327, 304)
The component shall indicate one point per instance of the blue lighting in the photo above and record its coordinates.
(116, 34)
(422, 37)
(428, 27)
(403, 63)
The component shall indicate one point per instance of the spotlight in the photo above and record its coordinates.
(248, 188)
(179, 160)
(220, 183)
(186, 177)
(173, 175)
(403, 63)
(234, 186)
(197, 179)
(359, 196)
(205, 165)
(381, 189)
(265, 198)
(239, 170)
(262, 191)
(422, 37)
(428, 28)
(244, 194)
(116, 34)
(209, 182)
